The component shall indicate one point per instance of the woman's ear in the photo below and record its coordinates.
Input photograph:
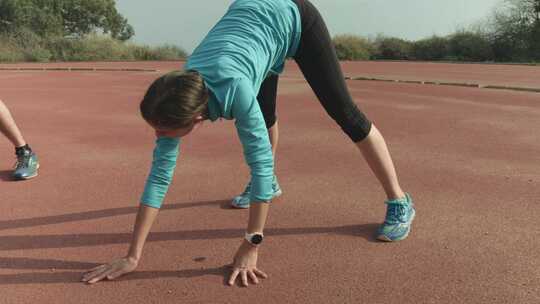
(198, 119)
(197, 122)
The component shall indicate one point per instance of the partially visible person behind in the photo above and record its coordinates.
(27, 163)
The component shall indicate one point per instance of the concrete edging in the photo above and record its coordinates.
(76, 69)
(442, 83)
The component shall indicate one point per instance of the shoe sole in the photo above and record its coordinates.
(235, 206)
(384, 238)
(27, 177)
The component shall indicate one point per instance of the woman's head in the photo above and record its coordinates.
(175, 101)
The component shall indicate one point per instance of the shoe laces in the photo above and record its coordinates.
(247, 190)
(395, 212)
(23, 161)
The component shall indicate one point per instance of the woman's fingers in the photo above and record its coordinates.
(260, 273)
(90, 275)
(243, 275)
(100, 273)
(99, 277)
(96, 268)
(234, 274)
(253, 277)
(110, 271)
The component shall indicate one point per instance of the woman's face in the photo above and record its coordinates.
(180, 132)
(173, 132)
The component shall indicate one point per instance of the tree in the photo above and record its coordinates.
(535, 32)
(470, 46)
(64, 17)
(516, 30)
(85, 16)
(17, 14)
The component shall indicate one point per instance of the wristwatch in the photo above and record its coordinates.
(254, 238)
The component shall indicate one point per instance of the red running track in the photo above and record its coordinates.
(483, 74)
(470, 157)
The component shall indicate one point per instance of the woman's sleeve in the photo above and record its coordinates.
(255, 141)
(160, 177)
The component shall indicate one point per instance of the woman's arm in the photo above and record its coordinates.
(245, 260)
(258, 212)
(157, 184)
(258, 154)
(145, 218)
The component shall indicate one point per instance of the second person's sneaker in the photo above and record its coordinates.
(242, 201)
(27, 165)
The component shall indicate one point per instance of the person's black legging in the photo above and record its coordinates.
(317, 58)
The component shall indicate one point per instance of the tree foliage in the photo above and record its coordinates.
(515, 32)
(66, 18)
(470, 46)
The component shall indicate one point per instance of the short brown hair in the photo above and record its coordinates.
(174, 99)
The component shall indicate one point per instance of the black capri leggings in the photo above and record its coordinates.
(316, 57)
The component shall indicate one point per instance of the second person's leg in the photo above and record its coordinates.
(9, 128)
(27, 163)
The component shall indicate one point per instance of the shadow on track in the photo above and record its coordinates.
(27, 242)
(24, 242)
(75, 277)
(6, 176)
(96, 214)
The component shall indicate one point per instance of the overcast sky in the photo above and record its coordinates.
(184, 23)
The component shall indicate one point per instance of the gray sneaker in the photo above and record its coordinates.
(242, 201)
(27, 165)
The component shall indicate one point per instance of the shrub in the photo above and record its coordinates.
(469, 46)
(392, 48)
(9, 52)
(92, 48)
(350, 47)
(37, 54)
(168, 52)
(24, 45)
(434, 48)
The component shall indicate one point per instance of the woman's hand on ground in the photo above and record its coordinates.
(110, 271)
(245, 265)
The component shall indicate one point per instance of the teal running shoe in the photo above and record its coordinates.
(27, 165)
(399, 216)
(242, 201)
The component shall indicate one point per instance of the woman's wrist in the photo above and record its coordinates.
(247, 245)
(133, 258)
(134, 253)
(145, 217)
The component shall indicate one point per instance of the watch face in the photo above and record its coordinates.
(256, 239)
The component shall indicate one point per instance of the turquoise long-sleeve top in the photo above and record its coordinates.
(252, 40)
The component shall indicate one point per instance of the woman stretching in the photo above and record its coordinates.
(233, 74)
